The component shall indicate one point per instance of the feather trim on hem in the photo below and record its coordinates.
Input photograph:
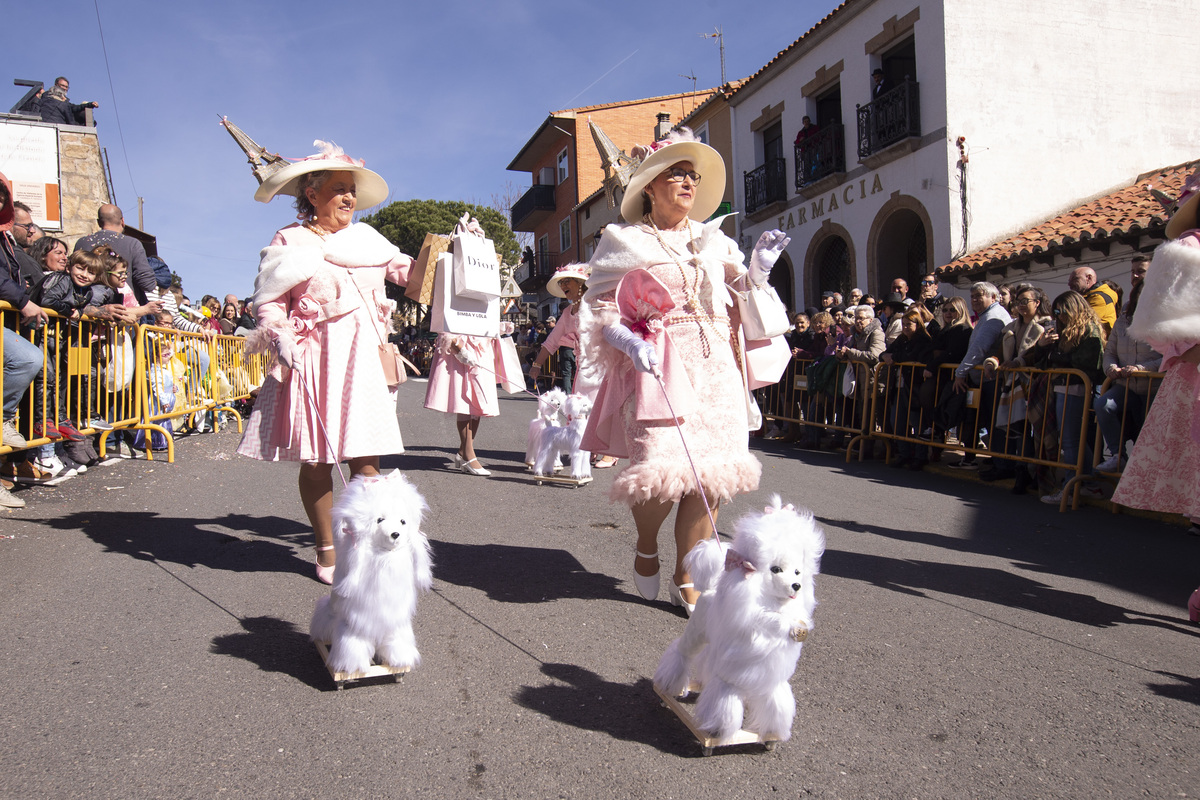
(638, 483)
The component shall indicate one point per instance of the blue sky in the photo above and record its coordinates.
(436, 97)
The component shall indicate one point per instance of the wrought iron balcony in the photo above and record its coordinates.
(892, 117)
(821, 154)
(766, 184)
(533, 207)
(534, 275)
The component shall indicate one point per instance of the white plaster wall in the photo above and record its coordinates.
(923, 175)
(1061, 102)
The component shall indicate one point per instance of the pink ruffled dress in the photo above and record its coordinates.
(326, 296)
(463, 382)
(703, 374)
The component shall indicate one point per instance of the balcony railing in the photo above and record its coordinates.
(766, 184)
(893, 117)
(533, 207)
(821, 154)
(536, 274)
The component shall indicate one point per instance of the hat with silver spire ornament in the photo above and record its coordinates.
(277, 175)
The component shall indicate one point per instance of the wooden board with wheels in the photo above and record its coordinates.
(683, 710)
(564, 480)
(340, 679)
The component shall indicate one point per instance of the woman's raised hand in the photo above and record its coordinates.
(770, 245)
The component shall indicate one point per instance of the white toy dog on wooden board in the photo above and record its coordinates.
(554, 442)
(742, 642)
(383, 564)
(550, 413)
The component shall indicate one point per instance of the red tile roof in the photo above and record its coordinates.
(1131, 210)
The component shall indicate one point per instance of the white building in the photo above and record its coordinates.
(995, 117)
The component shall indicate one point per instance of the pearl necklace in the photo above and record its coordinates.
(691, 293)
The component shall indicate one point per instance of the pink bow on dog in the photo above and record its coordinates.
(734, 560)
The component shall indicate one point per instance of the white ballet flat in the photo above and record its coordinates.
(647, 585)
(677, 596)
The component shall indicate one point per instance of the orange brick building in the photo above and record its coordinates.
(565, 168)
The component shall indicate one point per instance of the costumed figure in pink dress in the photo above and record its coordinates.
(323, 313)
(463, 378)
(658, 303)
(1163, 473)
(568, 282)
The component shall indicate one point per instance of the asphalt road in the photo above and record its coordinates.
(968, 643)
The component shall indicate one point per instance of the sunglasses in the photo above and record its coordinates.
(120, 274)
(929, 283)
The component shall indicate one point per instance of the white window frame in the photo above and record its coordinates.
(563, 165)
(701, 133)
(564, 241)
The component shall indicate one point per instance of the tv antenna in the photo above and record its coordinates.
(691, 78)
(720, 37)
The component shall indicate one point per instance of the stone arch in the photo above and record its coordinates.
(830, 234)
(900, 245)
(783, 278)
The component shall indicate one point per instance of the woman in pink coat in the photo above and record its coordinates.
(322, 311)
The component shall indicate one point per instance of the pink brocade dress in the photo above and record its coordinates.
(717, 435)
(335, 404)
(1163, 473)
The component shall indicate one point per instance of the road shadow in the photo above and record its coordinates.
(513, 574)
(1185, 688)
(633, 713)
(267, 544)
(275, 645)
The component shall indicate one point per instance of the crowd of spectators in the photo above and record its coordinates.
(943, 361)
(108, 278)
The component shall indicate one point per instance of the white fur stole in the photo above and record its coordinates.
(1169, 309)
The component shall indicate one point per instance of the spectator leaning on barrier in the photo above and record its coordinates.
(950, 343)
(112, 225)
(1012, 435)
(991, 317)
(22, 360)
(913, 345)
(1121, 410)
(865, 347)
(1075, 341)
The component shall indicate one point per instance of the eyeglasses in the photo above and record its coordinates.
(120, 274)
(929, 283)
(1027, 301)
(1058, 312)
(28, 226)
(949, 312)
(677, 174)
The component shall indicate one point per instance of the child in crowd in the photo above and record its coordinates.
(69, 294)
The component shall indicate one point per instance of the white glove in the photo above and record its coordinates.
(640, 352)
(770, 245)
(287, 351)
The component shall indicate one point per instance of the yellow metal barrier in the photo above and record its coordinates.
(812, 393)
(132, 377)
(1129, 397)
(1019, 402)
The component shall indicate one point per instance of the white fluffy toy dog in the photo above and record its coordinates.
(742, 642)
(554, 442)
(550, 414)
(383, 563)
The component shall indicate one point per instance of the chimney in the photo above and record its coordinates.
(663, 127)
